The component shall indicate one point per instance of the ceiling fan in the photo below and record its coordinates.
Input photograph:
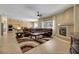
(38, 14)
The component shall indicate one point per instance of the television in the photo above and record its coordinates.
(10, 28)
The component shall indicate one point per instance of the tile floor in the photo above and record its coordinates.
(54, 46)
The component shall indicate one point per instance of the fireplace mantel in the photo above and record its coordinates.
(69, 30)
(66, 24)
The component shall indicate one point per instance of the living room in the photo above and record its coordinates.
(50, 26)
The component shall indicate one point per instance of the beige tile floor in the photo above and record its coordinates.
(8, 44)
(54, 46)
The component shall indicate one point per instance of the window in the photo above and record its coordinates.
(40, 25)
(48, 24)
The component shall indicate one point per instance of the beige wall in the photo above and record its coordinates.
(67, 19)
(69, 16)
(4, 21)
(77, 18)
(17, 23)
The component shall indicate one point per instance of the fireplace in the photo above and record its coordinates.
(63, 31)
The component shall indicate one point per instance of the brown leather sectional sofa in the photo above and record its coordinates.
(37, 30)
(27, 32)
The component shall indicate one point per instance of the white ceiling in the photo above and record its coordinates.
(29, 11)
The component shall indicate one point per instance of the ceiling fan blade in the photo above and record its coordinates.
(40, 15)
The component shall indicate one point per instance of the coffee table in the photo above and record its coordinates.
(35, 35)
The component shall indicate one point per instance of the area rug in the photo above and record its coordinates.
(28, 44)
